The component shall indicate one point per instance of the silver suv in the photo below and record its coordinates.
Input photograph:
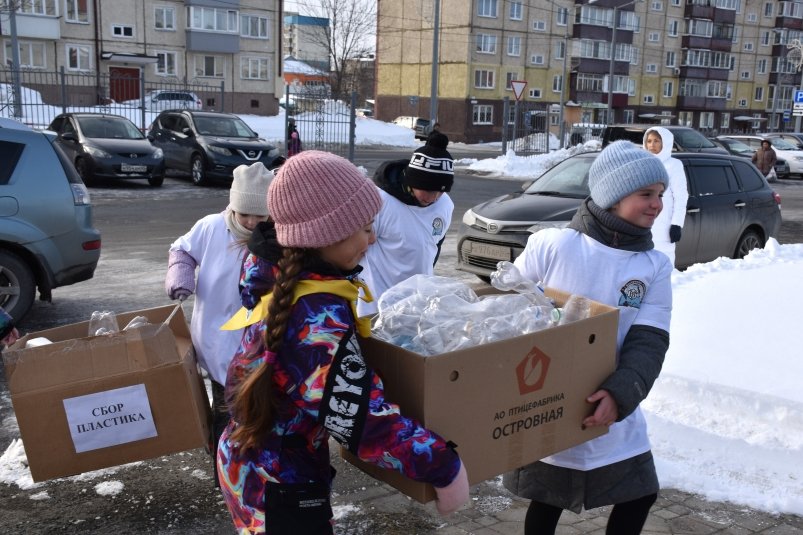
(46, 235)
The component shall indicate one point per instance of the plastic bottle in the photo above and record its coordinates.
(576, 308)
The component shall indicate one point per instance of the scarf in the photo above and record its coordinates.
(241, 234)
(610, 230)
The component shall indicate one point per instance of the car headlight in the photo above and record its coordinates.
(547, 224)
(158, 153)
(219, 150)
(469, 218)
(96, 152)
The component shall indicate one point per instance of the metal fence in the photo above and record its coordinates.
(45, 94)
(526, 129)
(322, 122)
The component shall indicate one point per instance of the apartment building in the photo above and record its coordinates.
(203, 43)
(715, 65)
(305, 39)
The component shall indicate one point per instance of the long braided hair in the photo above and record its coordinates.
(255, 402)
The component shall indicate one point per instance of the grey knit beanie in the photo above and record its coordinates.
(621, 169)
(249, 189)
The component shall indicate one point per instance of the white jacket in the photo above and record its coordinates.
(675, 196)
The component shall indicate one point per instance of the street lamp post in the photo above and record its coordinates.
(609, 118)
(563, 92)
(781, 67)
(433, 96)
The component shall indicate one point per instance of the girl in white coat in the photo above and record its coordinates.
(667, 228)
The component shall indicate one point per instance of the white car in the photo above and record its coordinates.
(783, 149)
(169, 99)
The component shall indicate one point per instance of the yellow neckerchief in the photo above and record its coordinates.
(347, 289)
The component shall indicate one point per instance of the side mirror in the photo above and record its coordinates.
(69, 136)
(186, 131)
(150, 138)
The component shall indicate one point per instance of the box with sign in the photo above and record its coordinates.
(504, 404)
(89, 402)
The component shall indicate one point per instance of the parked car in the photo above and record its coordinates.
(795, 138)
(168, 99)
(731, 210)
(737, 148)
(419, 125)
(783, 149)
(107, 146)
(46, 235)
(686, 139)
(209, 145)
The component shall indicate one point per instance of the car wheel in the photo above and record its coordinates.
(198, 170)
(17, 285)
(83, 171)
(750, 240)
(156, 181)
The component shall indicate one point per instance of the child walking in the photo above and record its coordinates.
(216, 246)
(299, 377)
(607, 254)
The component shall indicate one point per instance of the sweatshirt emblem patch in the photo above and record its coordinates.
(632, 294)
(437, 226)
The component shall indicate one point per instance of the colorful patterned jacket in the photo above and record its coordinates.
(6, 324)
(324, 389)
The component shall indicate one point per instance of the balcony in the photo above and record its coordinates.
(215, 42)
(696, 11)
(790, 23)
(34, 26)
(701, 103)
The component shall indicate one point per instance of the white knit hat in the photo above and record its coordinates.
(249, 189)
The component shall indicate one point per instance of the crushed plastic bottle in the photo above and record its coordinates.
(103, 322)
(576, 308)
(508, 278)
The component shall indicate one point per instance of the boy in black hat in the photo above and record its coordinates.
(415, 215)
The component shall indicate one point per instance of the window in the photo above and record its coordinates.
(483, 79)
(630, 116)
(539, 25)
(744, 75)
(657, 5)
(486, 8)
(510, 77)
(209, 66)
(560, 49)
(672, 28)
(254, 68)
(537, 59)
(654, 37)
(76, 11)
(700, 27)
(557, 83)
(38, 7)
(761, 67)
(685, 118)
(514, 46)
(649, 99)
(706, 119)
(120, 30)
(712, 179)
(764, 39)
(212, 19)
(253, 26)
(752, 17)
(669, 89)
(748, 47)
(670, 59)
(759, 94)
(675, 2)
(651, 68)
(768, 9)
(78, 57)
(32, 54)
(535, 93)
(515, 11)
(164, 18)
(590, 82)
(562, 16)
(486, 44)
(743, 103)
(725, 120)
(482, 114)
(165, 63)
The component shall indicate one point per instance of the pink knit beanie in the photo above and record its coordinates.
(318, 199)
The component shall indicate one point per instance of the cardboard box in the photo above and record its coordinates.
(504, 404)
(85, 403)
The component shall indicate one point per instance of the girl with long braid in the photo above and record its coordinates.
(298, 377)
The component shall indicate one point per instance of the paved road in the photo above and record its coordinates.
(174, 494)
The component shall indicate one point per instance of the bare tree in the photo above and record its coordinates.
(351, 34)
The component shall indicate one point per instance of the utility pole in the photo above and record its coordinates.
(11, 5)
(563, 91)
(433, 93)
(609, 118)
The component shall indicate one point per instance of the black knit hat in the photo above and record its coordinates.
(431, 167)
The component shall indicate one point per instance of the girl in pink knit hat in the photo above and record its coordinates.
(299, 377)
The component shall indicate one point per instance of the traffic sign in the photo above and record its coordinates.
(797, 112)
(798, 96)
(519, 85)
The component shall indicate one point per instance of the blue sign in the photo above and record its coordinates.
(798, 96)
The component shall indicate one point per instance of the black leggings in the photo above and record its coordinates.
(626, 518)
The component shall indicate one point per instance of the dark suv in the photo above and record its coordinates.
(46, 235)
(731, 210)
(209, 145)
(686, 139)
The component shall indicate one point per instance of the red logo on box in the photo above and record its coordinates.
(531, 372)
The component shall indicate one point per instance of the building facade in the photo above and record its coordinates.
(197, 42)
(305, 38)
(715, 65)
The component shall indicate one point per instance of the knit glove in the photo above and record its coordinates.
(180, 279)
(674, 233)
(452, 496)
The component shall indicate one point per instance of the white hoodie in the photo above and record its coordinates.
(675, 196)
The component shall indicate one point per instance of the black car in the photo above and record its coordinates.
(107, 146)
(686, 139)
(731, 210)
(210, 145)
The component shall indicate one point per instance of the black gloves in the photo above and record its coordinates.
(674, 233)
